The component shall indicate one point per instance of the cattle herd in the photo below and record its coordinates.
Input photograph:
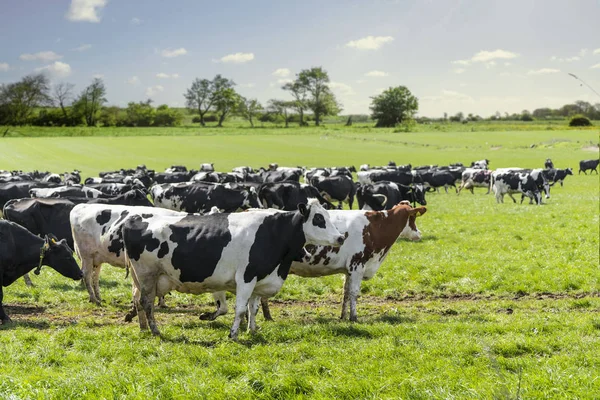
(190, 238)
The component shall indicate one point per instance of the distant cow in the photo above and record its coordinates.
(287, 195)
(475, 177)
(174, 177)
(21, 251)
(585, 165)
(336, 188)
(283, 174)
(385, 195)
(557, 175)
(548, 164)
(66, 191)
(481, 164)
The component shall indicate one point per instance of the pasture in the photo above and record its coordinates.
(496, 301)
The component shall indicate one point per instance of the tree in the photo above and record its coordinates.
(63, 94)
(279, 108)
(18, 100)
(315, 82)
(140, 114)
(393, 106)
(249, 108)
(299, 93)
(90, 101)
(227, 100)
(203, 94)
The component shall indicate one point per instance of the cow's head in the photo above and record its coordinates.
(418, 192)
(569, 171)
(411, 231)
(317, 226)
(59, 256)
(137, 198)
(250, 199)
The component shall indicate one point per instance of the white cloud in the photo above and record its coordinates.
(135, 21)
(247, 85)
(376, 73)
(152, 90)
(597, 66)
(170, 53)
(597, 51)
(461, 62)
(583, 52)
(44, 56)
(134, 80)
(83, 47)
(4, 67)
(370, 42)
(98, 76)
(485, 56)
(490, 64)
(85, 10)
(236, 58)
(569, 59)
(543, 71)
(281, 72)
(459, 70)
(341, 88)
(284, 81)
(57, 69)
(162, 75)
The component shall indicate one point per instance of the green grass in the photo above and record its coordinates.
(496, 301)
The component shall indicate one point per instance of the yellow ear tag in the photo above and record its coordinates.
(46, 246)
(53, 241)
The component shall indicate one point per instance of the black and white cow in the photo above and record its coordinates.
(174, 177)
(398, 176)
(288, 195)
(475, 177)
(115, 189)
(514, 182)
(19, 190)
(283, 174)
(436, 179)
(557, 175)
(246, 253)
(176, 168)
(548, 164)
(66, 191)
(311, 173)
(207, 167)
(385, 195)
(585, 165)
(339, 188)
(481, 164)
(200, 198)
(21, 251)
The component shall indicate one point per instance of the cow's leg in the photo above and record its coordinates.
(354, 286)
(350, 201)
(455, 188)
(346, 294)
(595, 169)
(96, 281)
(561, 183)
(3, 316)
(161, 302)
(137, 303)
(133, 311)
(264, 303)
(147, 295)
(446, 188)
(511, 196)
(252, 310)
(243, 294)
(221, 302)
(27, 280)
(87, 267)
(340, 205)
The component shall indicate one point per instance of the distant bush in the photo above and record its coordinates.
(580, 120)
(526, 117)
(166, 116)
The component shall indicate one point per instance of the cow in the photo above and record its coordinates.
(174, 177)
(66, 191)
(21, 251)
(314, 172)
(347, 171)
(243, 170)
(436, 179)
(54, 178)
(115, 189)
(481, 164)
(176, 168)
(336, 188)
(385, 195)
(398, 176)
(369, 237)
(364, 167)
(514, 182)
(246, 253)
(557, 175)
(475, 177)
(540, 181)
(19, 190)
(201, 197)
(207, 167)
(548, 164)
(288, 195)
(283, 174)
(97, 238)
(585, 165)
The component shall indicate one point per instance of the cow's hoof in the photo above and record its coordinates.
(208, 316)
(354, 318)
(130, 316)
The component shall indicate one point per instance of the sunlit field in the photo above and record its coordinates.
(496, 301)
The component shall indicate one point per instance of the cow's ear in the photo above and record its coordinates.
(303, 211)
(418, 211)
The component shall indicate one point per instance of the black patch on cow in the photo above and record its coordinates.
(319, 220)
(199, 245)
(278, 241)
(139, 238)
(164, 250)
(103, 217)
(147, 216)
(104, 229)
(116, 240)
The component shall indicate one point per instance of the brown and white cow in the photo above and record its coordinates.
(370, 235)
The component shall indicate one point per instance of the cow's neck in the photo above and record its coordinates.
(290, 239)
(383, 230)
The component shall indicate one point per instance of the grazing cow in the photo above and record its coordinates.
(97, 238)
(385, 195)
(246, 253)
(540, 181)
(369, 237)
(475, 177)
(584, 165)
(288, 195)
(437, 179)
(201, 197)
(481, 164)
(548, 164)
(514, 182)
(21, 251)
(557, 175)
(66, 191)
(336, 188)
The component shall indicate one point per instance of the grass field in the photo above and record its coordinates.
(496, 301)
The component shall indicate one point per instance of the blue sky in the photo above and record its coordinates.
(470, 56)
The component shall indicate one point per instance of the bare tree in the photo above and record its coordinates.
(249, 108)
(63, 94)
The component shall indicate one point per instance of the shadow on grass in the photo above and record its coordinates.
(395, 319)
(65, 287)
(24, 309)
(353, 330)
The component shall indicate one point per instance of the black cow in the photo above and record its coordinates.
(174, 177)
(200, 197)
(281, 175)
(584, 165)
(19, 190)
(437, 179)
(548, 164)
(557, 175)
(287, 195)
(385, 195)
(336, 188)
(21, 251)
